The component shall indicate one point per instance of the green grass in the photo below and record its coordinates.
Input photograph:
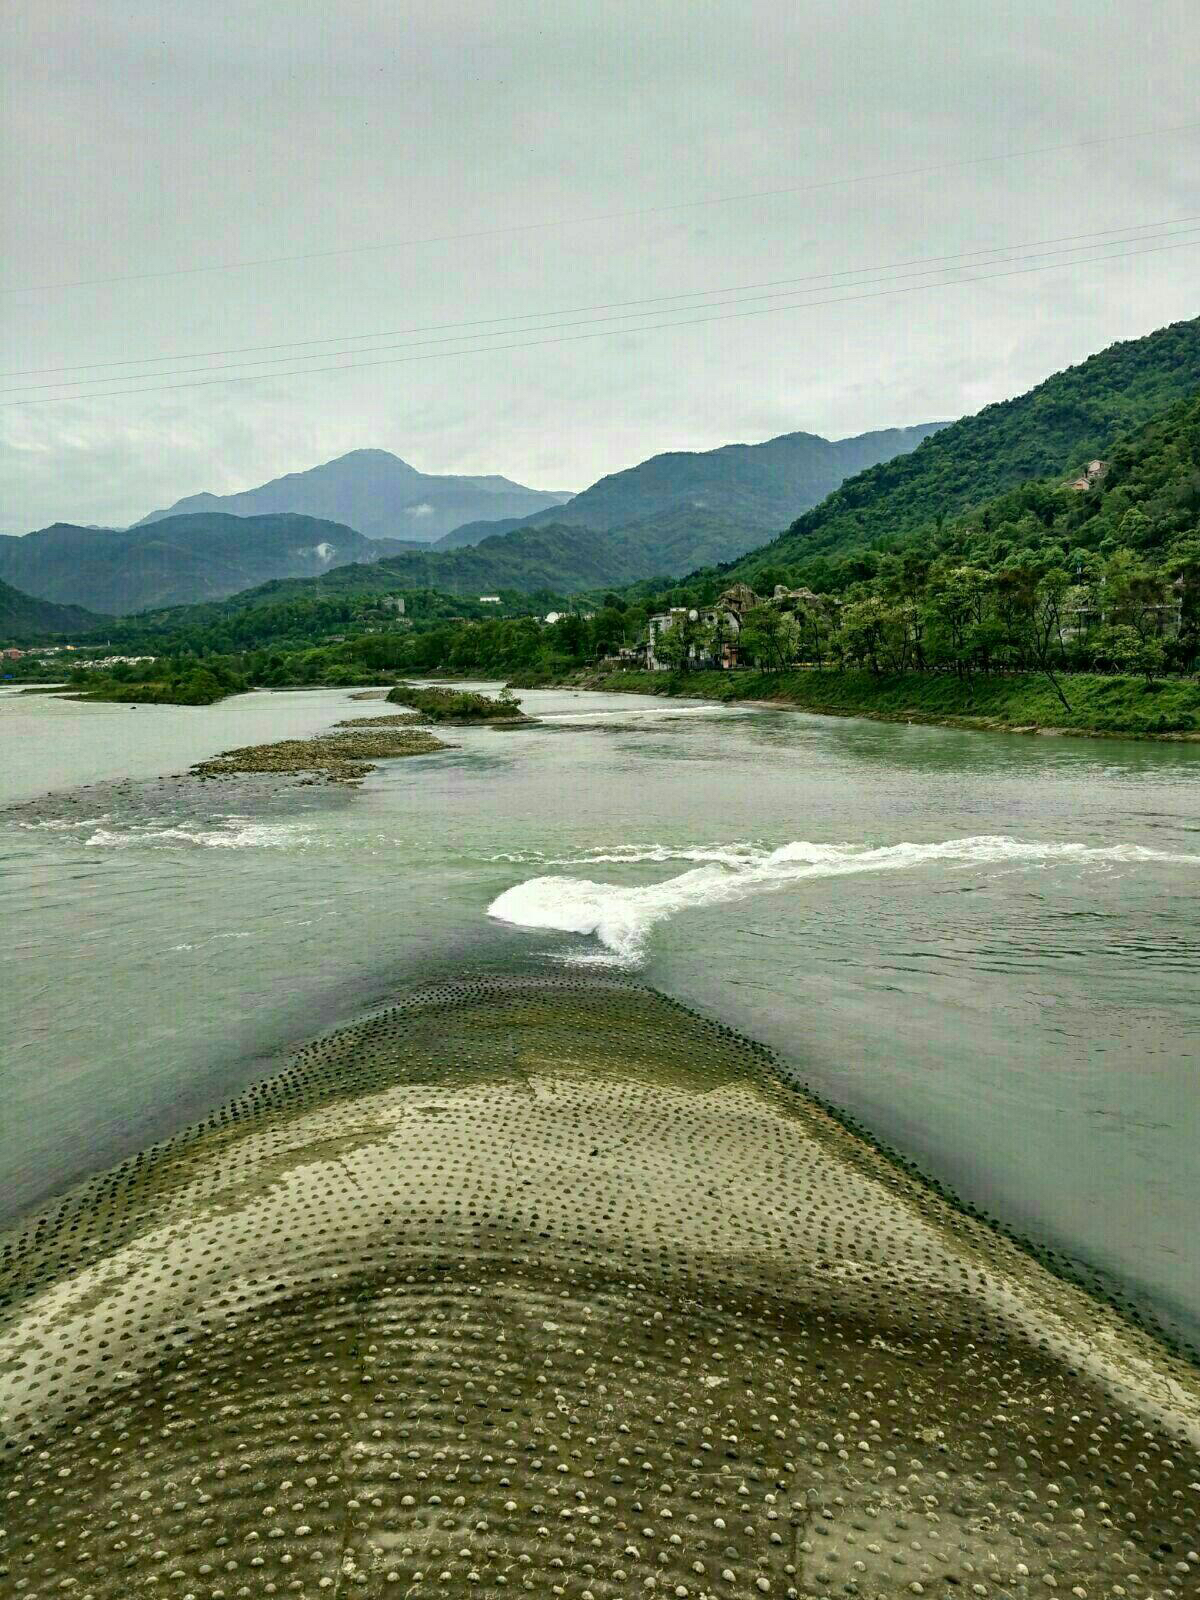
(1099, 705)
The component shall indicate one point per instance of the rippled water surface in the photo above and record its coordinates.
(984, 946)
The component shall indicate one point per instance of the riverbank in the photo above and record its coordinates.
(1101, 707)
(564, 1286)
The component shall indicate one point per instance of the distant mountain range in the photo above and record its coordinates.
(379, 495)
(550, 557)
(175, 561)
(663, 517)
(758, 487)
(24, 619)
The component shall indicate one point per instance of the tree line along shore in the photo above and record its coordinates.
(1067, 601)
(1103, 707)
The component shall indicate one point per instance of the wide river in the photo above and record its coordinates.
(984, 947)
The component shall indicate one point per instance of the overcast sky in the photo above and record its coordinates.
(148, 138)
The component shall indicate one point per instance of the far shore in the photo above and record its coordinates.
(1101, 707)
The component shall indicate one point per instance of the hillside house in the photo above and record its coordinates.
(724, 617)
(1091, 476)
(656, 626)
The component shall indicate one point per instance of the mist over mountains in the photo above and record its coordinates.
(175, 561)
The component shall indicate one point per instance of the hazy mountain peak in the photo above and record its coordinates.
(377, 494)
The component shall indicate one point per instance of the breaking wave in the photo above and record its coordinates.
(621, 917)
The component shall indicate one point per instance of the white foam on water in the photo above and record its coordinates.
(644, 714)
(621, 917)
(63, 824)
(234, 833)
(731, 854)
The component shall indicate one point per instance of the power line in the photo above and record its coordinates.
(613, 305)
(400, 360)
(605, 216)
(601, 334)
(549, 327)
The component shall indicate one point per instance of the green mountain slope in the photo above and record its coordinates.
(176, 561)
(1146, 501)
(553, 560)
(759, 486)
(673, 541)
(549, 557)
(1072, 415)
(24, 618)
(529, 559)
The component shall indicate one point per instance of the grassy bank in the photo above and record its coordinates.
(1100, 705)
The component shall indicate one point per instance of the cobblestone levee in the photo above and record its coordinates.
(554, 1287)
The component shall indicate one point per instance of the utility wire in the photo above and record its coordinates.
(417, 344)
(604, 333)
(613, 305)
(606, 216)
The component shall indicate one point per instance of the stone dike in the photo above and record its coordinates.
(552, 1286)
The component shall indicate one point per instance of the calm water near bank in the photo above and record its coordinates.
(983, 946)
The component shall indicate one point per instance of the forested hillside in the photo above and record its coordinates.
(1049, 431)
(1145, 500)
(554, 558)
(175, 561)
(759, 487)
(24, 618)
(1044, 578)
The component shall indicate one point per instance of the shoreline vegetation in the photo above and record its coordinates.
(1100, 706)
(580, 1203)
(1089, 705)
(462, 706)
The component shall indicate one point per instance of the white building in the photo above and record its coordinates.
(656, 626)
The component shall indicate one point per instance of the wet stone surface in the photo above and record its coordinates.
(552, 1287)
(180, 801)
(338, 757)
